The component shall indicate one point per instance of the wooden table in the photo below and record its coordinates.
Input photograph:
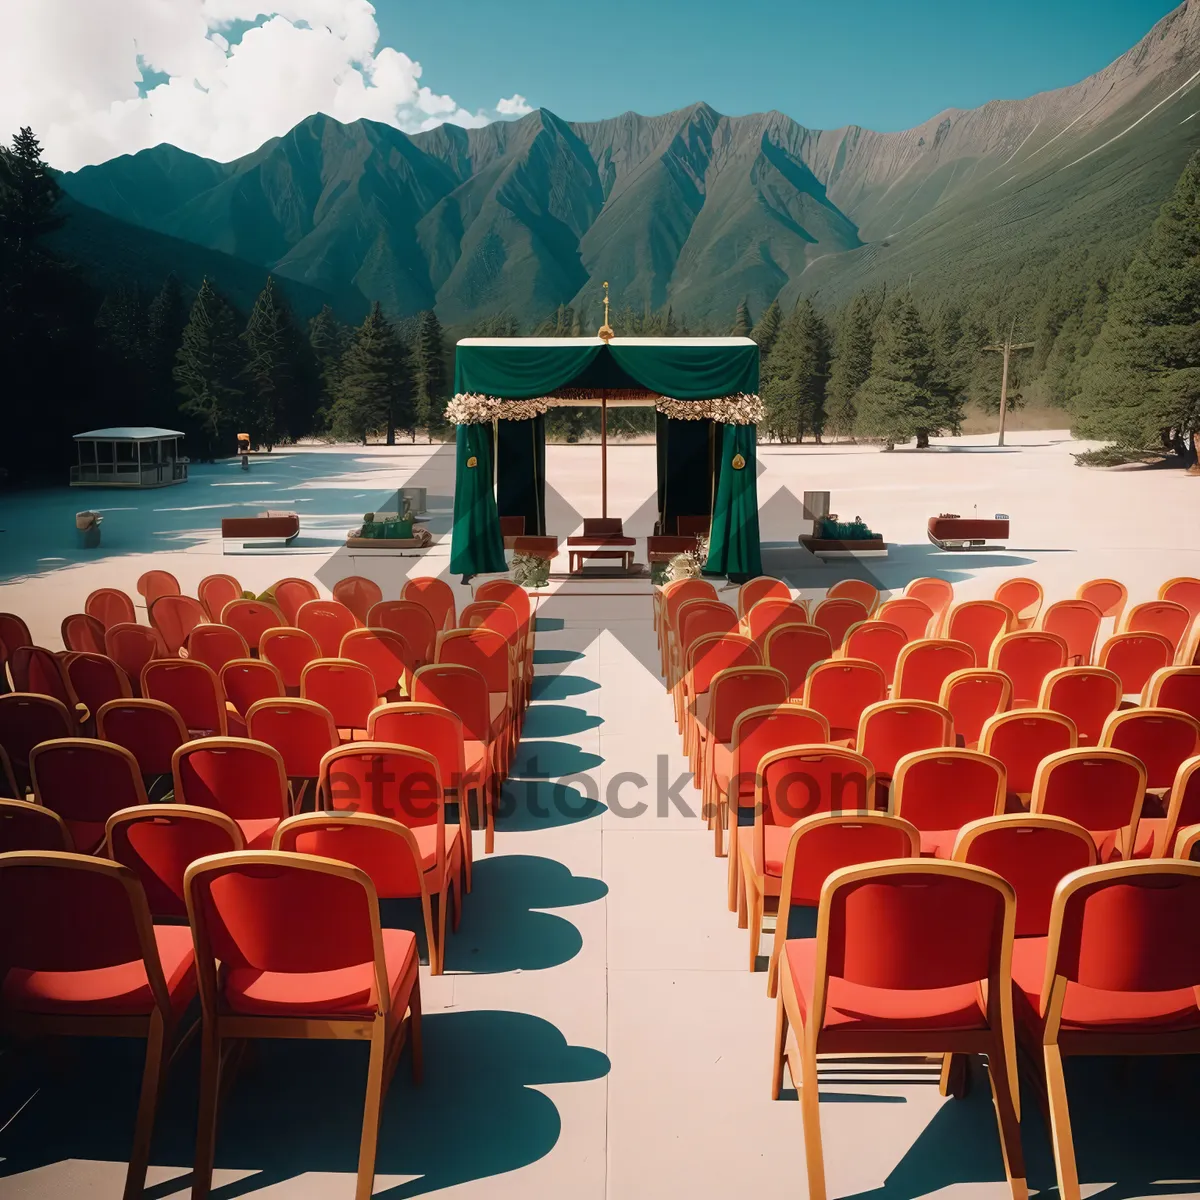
(609, 548)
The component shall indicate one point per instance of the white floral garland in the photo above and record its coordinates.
(474, 409)
(469, 408)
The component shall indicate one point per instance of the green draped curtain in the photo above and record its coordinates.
(685, 470)
(476, 547)
(734, 549)
(521, 472)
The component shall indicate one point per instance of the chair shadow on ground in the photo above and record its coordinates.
(545, 658)
(530, 804)
(560, 687)
(296, 1108)
(543, 759)
(557, 720)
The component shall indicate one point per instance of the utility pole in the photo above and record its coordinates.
(1006, 348)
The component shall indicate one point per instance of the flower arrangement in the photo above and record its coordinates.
(740, 409)
(688, 565)
(471, 408)
(530, 570)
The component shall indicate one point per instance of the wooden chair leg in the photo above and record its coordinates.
(430, 937)
(810, 1112)
(781, 1032)
(416, 1045)
(954, 1079)
(490, 800)
(143, 1130)
(443, 901)
(717, 803)
(1060, 1125)
(206, 1124)
(755, 903)
(1007, 1122)
(732, 879)
(371, 1112)
(742, 909)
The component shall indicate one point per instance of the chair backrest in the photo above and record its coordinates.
(890, 729)
(412, 622)
(837, 615)
(680, 592)
(1159, 616)
(303, 731)
(923, 666)
(245, 681)
(759, 731)
(1161, 737)
(291, 913)
(1185, 590)
(82, 633)
(291, 593)
(718, 652)
(191, 689)
(384, 653)
(512, 527)
(175, 617)
(867, 594)
(1085, 694)
(96, 679)
(243, 778)
(1022, 738)
(914, 616)
(328, 621)
(879, 642)
(1023, 596)
(759, 588)
(289, 650)
(158, 842)
(937, 593)
(771, 612)
(699, 618)
(972, 696)
(346, 688)
(41, 671)
(132, 647)
(401, 782)
(800, 781)
(110, 606)
(1183, 804)
(358, 594)
(979, 623)
(842, 688)
(153, 584)
(1188, 654)
(216, 591)
(1100, 789)
(8, 781)
(434, 595)
(1033, 852)
(1135, 657)
(85, 781)
(1108, 595)
(1077, 622)
(1027, 657)
(734, 691)
(215, 645)
(825, 843)
(1171, 687)
(251, 618)
(795, 650)
(512, 594)
(149, 729)
(28, 826)
(600, 527)
(431, 727)
(493, 614)
(945, 789)
(461, 689)
(25, 720)
(487, 651)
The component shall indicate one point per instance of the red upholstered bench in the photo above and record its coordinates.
(281, 526)
(949, 532)
(663, 547)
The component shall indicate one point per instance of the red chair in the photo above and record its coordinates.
(131, 647)
(358, 594)
(385, 654)
(434, 595)
(867, 594)
(1024, 597)
(1101, 790)
(194, 692)
(1021, 739)
(14, 633)
(1185, 590)
(96, 679)
(85, 781)
(346, 689)
(153, 584)
(1183, 811)
(150, 730)
(497, 616)
(301, 954)
(245, 681)
(290, 594)
(517, 598)
(487, 652)
(914, 616)
(938, 594)
(1085, 694)
(216, 591)
(979, 623)
(26, 826)
(972, 697)
(175, 617)
(674, 596)
(85, 960)
(901, 951)
(83, 634)
(825, 843)
(1116, 975)
(1164, 617)
(25, 720)
(890, 729)
(942, 791)
(251, 618)
(1027, 657)
(42, 672)
(1077, 622)
(837, 616)
(1188, 654)
(464, 691)
(216, 645)
(302, 731)
(1161, 737)
(842, 689)
(8, 781)
(158, 842)
(693, 620)
(110, 607)
(243, 779)
(328, 621)
(289, 650)
(795, 650)
(412, 622)
(770, 614)
(1108, 595)
(879, 642)
(1135, 657)
(759, 588)
(924, 665)
(1174, 687)
(793, 783)
(708, 657)
(1033, 852)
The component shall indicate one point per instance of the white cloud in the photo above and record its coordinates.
(72, 71)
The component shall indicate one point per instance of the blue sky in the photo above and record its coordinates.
(882, 64)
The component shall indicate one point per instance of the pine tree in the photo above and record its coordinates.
(955, 347)
(165, 321)
(429, 373)
(272, 371)
(32, 196)
(121, 324)
(767, 329)
(208, 369)
(742, 325)
(853, 343)
(329, 340)
(373, 383)
(796, 375)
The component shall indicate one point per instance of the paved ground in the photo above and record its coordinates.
(597, 1033)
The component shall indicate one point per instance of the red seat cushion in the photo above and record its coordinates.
(854, 1007)
(475, 760)
(347, 992)
(257, 832)
(86, 836)
(938, 843)
(122, 990)
(426, 838)
(775, 844)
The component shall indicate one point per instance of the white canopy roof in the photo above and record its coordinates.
(617, 341)
(128, 433)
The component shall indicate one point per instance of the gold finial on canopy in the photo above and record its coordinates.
(606, 330)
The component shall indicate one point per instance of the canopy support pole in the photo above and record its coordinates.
(603, 457)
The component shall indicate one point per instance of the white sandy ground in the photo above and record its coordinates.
(642, 1028)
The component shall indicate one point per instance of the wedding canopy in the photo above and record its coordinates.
(515, 381)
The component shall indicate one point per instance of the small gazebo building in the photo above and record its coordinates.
(129, 456)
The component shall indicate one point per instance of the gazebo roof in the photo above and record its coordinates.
(128, 433)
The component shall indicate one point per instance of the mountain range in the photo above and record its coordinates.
(691, 209)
